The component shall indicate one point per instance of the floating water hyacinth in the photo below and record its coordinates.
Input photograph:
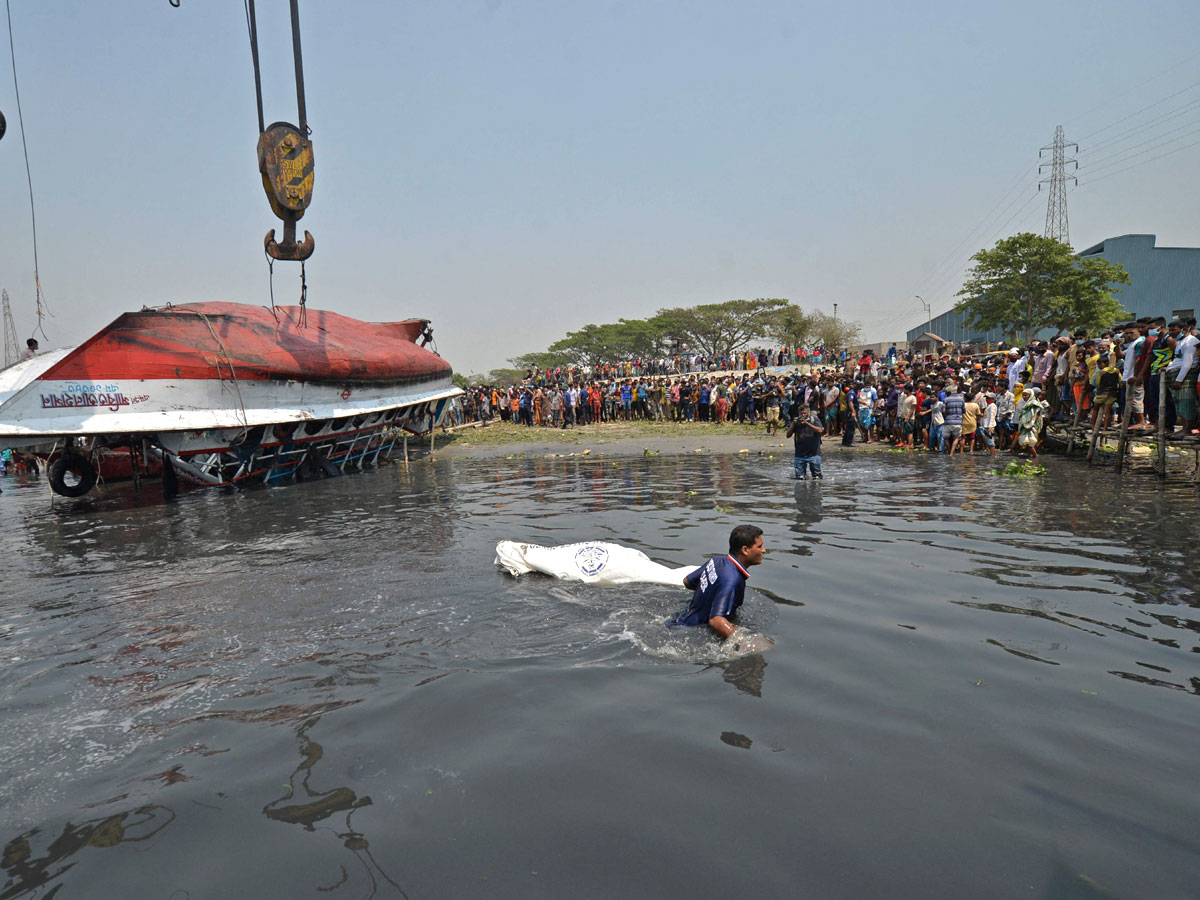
(1021, 470)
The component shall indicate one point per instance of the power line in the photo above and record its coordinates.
(935, 284)
(1108, 101)
(1125, 159)
(42, 309)
(1157, 137)
(946, 270)
(1003, 229)
(936, 272)
(1142, 163)
(941, 282)
(1145, 126)
(1142, 110)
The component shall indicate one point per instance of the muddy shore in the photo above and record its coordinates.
(502, 440)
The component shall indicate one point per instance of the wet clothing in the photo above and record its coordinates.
(808, 441)
(719, 585)
(805, 463)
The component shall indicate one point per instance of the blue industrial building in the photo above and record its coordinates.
(1163, 281)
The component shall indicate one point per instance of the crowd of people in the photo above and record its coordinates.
(952, 402)
(747, 360)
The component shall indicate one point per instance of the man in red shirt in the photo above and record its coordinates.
(864, 363)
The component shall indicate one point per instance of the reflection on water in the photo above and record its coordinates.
(746, 673)
(313, 806)
(29, 869)
(966, 669)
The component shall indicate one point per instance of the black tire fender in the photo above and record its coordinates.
(73, 464)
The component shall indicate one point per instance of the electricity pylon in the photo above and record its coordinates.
(1056, 208)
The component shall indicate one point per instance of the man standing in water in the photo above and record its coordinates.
(720, 584)
(806, 429)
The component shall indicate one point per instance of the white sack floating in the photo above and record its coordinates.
(592, 562)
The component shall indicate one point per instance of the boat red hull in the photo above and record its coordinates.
(208, 340)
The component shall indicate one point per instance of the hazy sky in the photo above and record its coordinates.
(515, 170)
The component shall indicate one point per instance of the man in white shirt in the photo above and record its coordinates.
(830, 398)
(987, 423)
(866, 410)
(937, 424)
(1135, 394)
(907, 410)
(31, 349)
(1181, 375)
(1016, 367)
(1006, 424)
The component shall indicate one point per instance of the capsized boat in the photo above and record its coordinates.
(227, 393)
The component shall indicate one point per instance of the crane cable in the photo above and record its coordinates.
(43, 308)
(252, 32)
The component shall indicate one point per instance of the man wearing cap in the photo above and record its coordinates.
(1016, 365)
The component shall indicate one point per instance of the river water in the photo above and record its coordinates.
(981, 687)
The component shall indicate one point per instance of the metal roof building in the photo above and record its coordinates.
(1163, 281)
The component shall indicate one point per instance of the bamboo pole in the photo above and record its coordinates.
(1074, 421)
(1095, 434)
(1126, 415)
(1162, 425)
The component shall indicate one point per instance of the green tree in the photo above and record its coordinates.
(547, 359)
(1027, 283)
(790, 326)
(624, 339)
(460, 380)
(833, 333)
(503, 377)
(719, 329)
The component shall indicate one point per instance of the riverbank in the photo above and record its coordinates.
(504, 440)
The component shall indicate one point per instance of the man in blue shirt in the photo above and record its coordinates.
(720, 584)
(953, 414)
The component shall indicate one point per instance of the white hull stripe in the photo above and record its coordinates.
(50, 408)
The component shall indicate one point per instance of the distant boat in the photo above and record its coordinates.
(226, 393)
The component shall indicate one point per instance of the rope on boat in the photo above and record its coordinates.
(271, 284)
(232, 371)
